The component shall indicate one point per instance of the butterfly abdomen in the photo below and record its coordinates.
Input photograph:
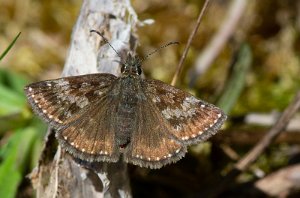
(126, 112)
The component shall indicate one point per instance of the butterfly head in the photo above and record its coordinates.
(132, 65)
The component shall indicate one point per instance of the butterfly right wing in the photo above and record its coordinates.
(77, 107)
(92, 137)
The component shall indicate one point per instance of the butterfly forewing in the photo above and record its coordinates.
(192, 120)
(63, 100)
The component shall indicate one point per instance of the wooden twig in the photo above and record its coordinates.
(250, 137)
(258, 149)
(61, 175)
(280, 125)
(188, 45)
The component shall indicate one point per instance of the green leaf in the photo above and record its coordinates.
(14, 156)
(13, 106)
(237, 79)
(9, 47)
(10, 101)
(13, 81)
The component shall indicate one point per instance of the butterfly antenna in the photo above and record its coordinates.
(158, 49)
(105, 39)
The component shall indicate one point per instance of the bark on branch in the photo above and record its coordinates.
(58, 175)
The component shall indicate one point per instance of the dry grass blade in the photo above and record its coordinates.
(188, 45)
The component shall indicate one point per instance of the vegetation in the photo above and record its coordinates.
(256, 73)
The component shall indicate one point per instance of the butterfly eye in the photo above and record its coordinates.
(139, 70)
(123, 68)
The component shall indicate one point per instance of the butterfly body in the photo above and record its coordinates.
(99, 117)
(126, 108)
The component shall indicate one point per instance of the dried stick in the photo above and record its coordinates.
(258, 149)
(61, 175)
(228, 27)
(244, 137)
(188, 45)
(280, 125)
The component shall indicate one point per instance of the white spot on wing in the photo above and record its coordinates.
(187, 109)
(82, 101)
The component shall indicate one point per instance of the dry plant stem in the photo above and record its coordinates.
(227, 29)
(192, 36)
(61, 175)
(280, 125)
(243, 137)
(258, 149)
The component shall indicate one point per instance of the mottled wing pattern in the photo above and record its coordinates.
(192, 120)
(63, 100)
(69, 105)
(92, 137)
(152, 144)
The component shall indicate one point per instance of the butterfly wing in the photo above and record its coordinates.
(152, 144)
(63, 100)
(92, 137)
(68, 104)
(192, 120)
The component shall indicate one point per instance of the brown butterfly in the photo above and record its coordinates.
(99, 117)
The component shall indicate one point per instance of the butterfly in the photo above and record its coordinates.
(99, 117)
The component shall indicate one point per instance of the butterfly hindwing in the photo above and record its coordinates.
(152, 144)
(92, 137)
(63, 100)
(192, 120)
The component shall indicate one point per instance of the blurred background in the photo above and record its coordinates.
(254, 76)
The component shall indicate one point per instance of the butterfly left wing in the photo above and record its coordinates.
(152, 144)
(192, 120)
(60, 101)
